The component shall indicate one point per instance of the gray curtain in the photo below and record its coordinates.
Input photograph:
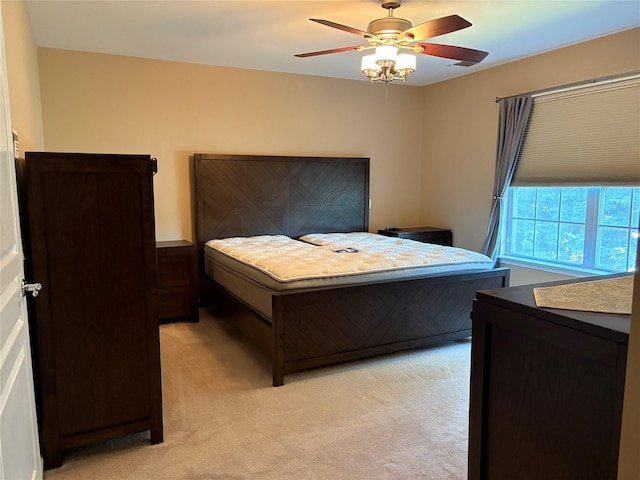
(512, 124)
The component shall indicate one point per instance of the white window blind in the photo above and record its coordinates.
(583, 136)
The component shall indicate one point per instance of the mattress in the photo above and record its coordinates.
(252, 268)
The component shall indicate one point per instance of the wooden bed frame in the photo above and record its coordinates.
(242, 195)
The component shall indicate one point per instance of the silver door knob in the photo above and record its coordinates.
(33, 288)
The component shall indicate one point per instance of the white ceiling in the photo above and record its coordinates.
(266, 34)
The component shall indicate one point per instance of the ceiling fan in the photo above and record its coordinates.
(390, 35)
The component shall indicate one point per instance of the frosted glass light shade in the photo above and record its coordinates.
(407, 62)
(386, 54)
(368, 63)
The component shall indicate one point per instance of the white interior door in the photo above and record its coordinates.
(19, 451)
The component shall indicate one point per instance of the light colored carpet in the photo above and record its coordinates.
(403, 416)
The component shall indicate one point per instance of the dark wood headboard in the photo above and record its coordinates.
(245, 195)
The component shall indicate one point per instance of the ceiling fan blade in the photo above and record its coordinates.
(450, 51)
(439, 26)
(333, 50)
(344, 28)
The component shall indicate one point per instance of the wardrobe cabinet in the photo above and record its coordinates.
(89, 234)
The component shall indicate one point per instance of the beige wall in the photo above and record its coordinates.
(460, 127)
(106, 103)
(22, 76)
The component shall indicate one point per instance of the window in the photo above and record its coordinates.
(590, 227)
(574, 197)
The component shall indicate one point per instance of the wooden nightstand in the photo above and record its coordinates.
(422, 234)
(177, 281)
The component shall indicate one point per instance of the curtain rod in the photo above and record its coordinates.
(582, 83)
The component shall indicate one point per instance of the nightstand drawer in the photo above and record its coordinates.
(173, 303)
(173, 271)
(177, 280)
(440, 238)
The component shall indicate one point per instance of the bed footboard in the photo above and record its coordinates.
(322, 327)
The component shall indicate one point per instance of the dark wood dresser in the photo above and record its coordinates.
(177, 281)
(89, 228)
(547, 389)
(435, 235)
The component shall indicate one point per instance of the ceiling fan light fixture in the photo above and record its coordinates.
(391, 34)
(387, 65)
